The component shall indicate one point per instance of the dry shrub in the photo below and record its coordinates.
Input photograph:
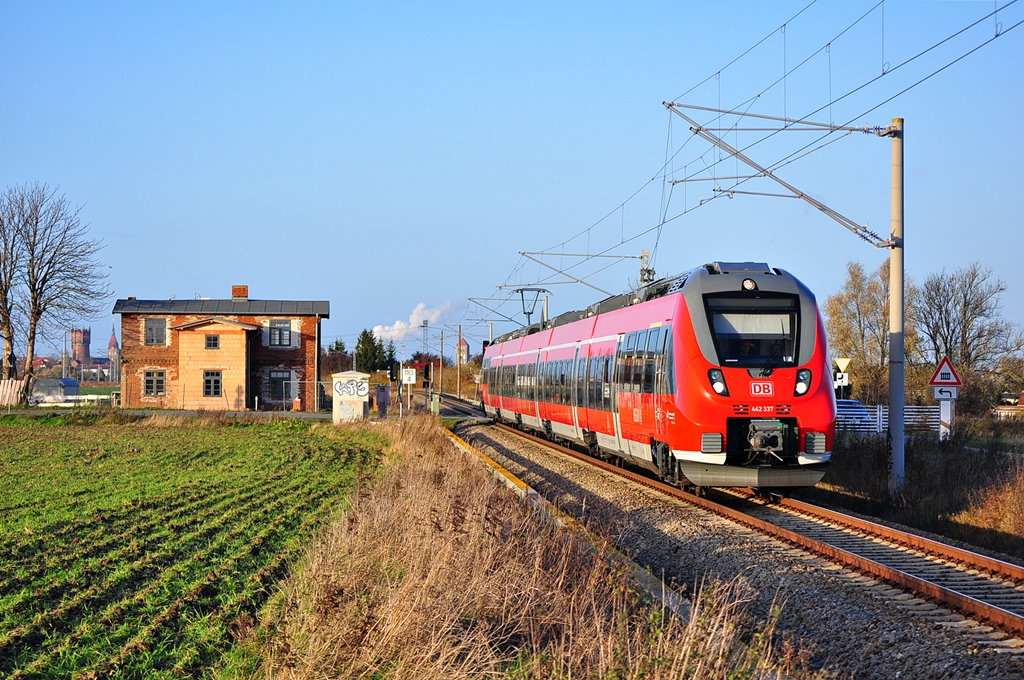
(998, 508)
(436, 571)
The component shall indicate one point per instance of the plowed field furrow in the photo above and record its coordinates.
(142, 641)
(120, 517)
(51, 589)
(126, 609)
(54, 557)
(51, 619)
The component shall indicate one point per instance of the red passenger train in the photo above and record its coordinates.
(718, 377)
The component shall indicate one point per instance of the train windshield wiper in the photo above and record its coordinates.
(766, 370)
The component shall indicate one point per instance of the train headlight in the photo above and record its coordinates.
(717, 379)
(803, 382)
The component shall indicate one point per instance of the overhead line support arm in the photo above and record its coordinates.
(701, 132)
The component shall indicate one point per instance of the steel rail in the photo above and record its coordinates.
(1007, 620)
(1005, 569)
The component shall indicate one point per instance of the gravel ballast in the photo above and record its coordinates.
(852, 625)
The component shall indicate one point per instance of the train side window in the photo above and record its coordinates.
(656, 342)
(652, 360)
(618, 377)
(649, 370)
(581, 380)
(556, 389)
(609, 386)
(627, 373)
(670, 378)
(566, 368)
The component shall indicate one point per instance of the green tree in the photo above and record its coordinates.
(370, 353)
(857, 324)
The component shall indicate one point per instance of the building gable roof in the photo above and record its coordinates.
(320, 308)
(214, 319)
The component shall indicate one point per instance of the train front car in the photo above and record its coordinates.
(755, 401)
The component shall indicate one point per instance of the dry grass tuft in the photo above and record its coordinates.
(435, 571)
(953, 488)
(1000, 507)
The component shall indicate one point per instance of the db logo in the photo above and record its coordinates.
(761, 389)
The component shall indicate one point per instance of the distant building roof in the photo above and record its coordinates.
(112, 345)
(225, 307)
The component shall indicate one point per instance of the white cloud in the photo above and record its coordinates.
(413, 328)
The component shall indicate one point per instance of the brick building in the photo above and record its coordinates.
(220, 354)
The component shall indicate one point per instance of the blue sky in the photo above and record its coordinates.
(395, 158)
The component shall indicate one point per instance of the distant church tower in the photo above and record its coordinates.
(114, 354)
(80, 338)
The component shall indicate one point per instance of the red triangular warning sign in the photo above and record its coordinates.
(945, 376)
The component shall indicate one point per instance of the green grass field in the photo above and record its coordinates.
(145, 549)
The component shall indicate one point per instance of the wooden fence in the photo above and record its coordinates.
(10, 392)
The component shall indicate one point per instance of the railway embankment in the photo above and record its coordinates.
(853, 625)
(437, 570)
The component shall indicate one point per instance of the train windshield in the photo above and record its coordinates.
(754, 332)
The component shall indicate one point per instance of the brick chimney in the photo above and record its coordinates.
(239, 293)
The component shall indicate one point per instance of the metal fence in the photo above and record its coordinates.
(915, 418)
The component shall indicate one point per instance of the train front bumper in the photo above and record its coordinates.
(757, 476)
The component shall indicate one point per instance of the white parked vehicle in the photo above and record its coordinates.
(853, 416)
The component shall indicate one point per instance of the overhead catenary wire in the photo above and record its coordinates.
(668, 167)
(800, 151)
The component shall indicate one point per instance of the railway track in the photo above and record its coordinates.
(987, 590)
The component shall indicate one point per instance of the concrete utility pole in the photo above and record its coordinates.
(440, 361)
(897, 388)
(458, 360)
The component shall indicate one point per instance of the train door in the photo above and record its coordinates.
(533, 386)
(657, 347)
(577, 393)
(616, 386)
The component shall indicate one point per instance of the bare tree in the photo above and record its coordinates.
(959, 316)
(11, 258)
(60, 279)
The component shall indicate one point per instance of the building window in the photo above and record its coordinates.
(211, 383)
(280, 333)
(280, 384)
(156, 331)
(153, 385)
(212, 342)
